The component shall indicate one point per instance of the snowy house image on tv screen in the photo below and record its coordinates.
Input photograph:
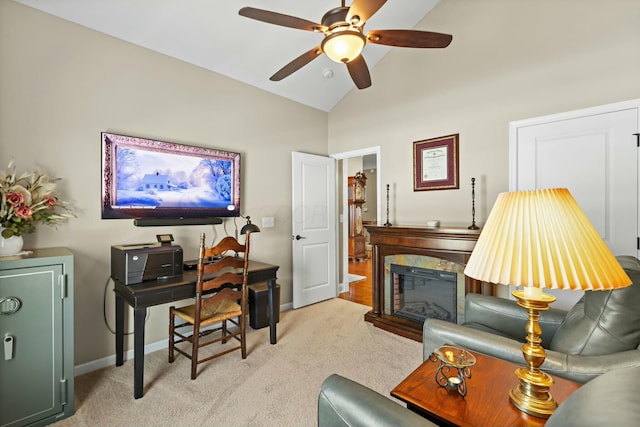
(156, 181)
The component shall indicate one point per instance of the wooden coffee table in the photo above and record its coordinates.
(487, 400)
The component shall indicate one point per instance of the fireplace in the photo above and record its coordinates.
(443, 249)
(421, 293)
(437, 281)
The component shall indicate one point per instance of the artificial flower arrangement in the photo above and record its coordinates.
(29, 199)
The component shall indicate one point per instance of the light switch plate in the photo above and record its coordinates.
(268, 222)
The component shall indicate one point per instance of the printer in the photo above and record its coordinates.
(131, 264)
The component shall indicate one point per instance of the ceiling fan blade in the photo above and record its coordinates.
(359, 72)
(409, 38)
(280, 19)
(296, 64)
(363, 9)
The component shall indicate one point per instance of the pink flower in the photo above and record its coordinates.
(15, 199)
(23, 212)
(28, 199)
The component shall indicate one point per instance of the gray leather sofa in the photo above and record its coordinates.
(611, 399)
(600, 333)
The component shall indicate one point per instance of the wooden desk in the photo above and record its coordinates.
(155, 292)
(487, 400)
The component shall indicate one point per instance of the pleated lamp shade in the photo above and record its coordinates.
(542, 239)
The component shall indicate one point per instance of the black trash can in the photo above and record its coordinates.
(259, 305)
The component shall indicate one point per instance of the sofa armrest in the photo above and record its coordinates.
(437, 333)
(573, 367)
(505, 317)
(343, 402)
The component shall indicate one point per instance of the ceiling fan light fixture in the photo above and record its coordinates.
(343, 46)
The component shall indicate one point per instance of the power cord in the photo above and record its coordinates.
(215, 232)
(104, 310)
(235, 225)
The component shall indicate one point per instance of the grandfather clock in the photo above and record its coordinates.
(356, 197)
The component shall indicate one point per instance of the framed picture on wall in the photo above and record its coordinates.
(435, 163)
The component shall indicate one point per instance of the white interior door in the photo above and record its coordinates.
(313, 229)
(594, 154)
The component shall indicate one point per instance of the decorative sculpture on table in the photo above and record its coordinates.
(451, 358)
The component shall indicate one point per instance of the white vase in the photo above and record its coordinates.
(11, 246)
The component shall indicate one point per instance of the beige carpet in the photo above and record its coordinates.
(276, 385)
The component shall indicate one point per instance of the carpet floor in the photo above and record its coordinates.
(276, 385)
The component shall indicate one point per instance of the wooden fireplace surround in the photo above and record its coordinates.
(449, 243)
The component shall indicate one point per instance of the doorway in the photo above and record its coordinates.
(366, 161)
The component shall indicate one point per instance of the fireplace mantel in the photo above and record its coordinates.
(449, 243)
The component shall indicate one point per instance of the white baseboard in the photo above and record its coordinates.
(111, 360)
(128, 355)
(343, 287)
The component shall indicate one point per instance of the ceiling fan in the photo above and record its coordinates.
(344, 38)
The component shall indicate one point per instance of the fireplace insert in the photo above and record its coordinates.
(421, 293)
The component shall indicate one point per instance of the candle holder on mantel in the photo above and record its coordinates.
(473, 225)
(387, 224)
(450, 359)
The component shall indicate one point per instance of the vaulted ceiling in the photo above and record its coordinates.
(212, 35)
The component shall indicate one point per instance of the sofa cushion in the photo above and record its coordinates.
(603, 322)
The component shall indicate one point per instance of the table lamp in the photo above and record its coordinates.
(541, 239)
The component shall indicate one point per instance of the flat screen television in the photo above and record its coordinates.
(148, 179)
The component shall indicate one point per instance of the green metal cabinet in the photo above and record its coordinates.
(36, 328)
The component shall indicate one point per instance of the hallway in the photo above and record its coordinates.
(360, 291)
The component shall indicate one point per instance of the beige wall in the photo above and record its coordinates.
(62, 84)
(509, 60)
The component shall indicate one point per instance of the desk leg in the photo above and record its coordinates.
(272, 311)
(119, 330)
(138, 351)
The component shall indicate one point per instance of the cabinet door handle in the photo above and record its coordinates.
(9, 305)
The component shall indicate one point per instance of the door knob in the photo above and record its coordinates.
(298, 237)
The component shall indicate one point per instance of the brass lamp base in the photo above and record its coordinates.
(532, 395)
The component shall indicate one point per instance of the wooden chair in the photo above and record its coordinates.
(221, 296)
